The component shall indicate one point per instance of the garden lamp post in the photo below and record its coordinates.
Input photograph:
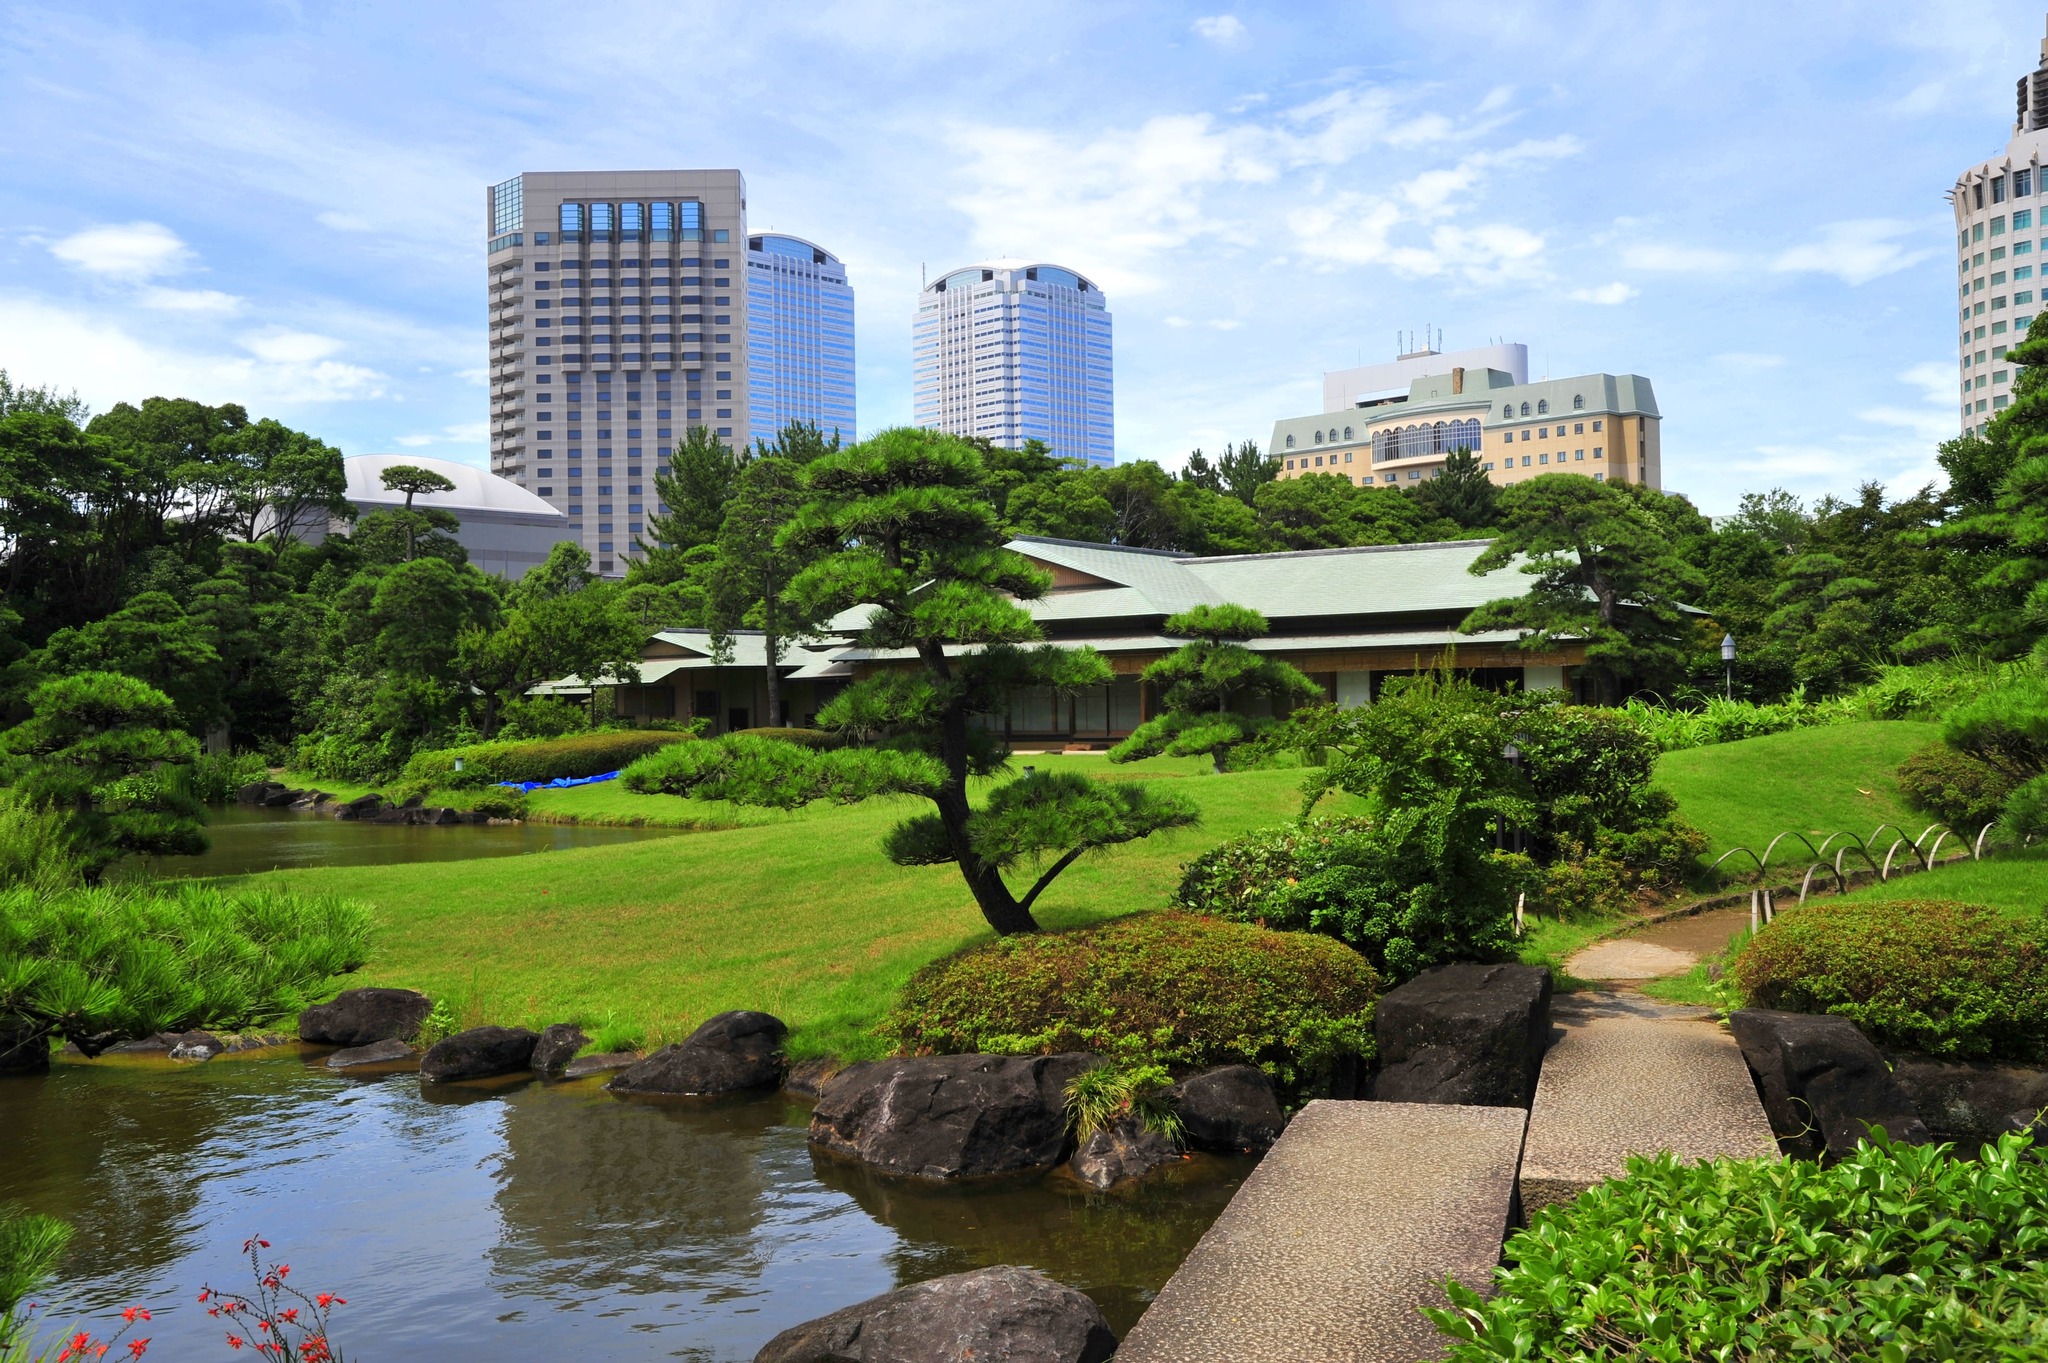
(1513, 753)
(1728, 660)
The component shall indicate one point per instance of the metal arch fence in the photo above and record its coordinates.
(1925, 850)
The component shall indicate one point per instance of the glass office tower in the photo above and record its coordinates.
(799, 338)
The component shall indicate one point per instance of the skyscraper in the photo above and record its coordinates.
(1996, 230)
(1014, 350)
(619, 310)
(799, 337)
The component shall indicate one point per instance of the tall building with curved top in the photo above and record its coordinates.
(799, 337)
(1015, 350)
(1998, 228)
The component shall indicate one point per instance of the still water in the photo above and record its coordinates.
(247, 840)
(536, 1222)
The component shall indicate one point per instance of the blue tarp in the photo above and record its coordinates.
(559, 783)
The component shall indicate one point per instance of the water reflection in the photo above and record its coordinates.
(247, 840)
(536, 1222)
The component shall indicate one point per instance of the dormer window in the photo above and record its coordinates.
(1542, 406)
(1578, 401)
(1525, 409)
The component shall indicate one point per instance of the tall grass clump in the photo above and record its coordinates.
(101, 964)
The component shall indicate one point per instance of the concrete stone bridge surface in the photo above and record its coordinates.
(1362, 1208)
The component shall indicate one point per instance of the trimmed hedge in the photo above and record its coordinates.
(807, 738)
(586, 754)
(1897, 1253)
(1962, 790)
(1920, 974)
(1247, 878)
(1165, 988)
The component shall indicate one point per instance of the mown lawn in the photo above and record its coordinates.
(2012, 879)
(1817, 781)
(798, 915)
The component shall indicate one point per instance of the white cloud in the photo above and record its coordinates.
(463, 433)
(344, 222)
(413, 442)
(1221, 29)
(1606, 294)
(1936, 381)
(1857, 251)
(291, 347)
(124, 251)
(188, 300)
(1679, 259)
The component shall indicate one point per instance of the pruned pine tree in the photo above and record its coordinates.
(1200, 682)
(898, 526)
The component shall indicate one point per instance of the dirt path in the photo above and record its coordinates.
(1668, 948)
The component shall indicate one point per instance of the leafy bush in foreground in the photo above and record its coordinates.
(1929, 975)
(1895, 1254)
(103, 964)
(1167, 988)
(585, 754)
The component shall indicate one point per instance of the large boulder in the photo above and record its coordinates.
(1229, 1110)
(24, 1048)
(1968, 1100)
(1823, 1084)
(1119, 1152)
(358, 1017)
(479, 1053)
(194, 1045)
(730, 1053)
(362, 807)
(949, 1116)
(1464, 1033)
(1001, 1314)
(557, 1047)
(378, 1053)
(583, 1066)
(259, 792)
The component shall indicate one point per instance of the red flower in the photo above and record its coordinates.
(235, 1341)
(205, 1294)
(284, 1270)
(137, 1347)
(134, 1313)
(289, 1314)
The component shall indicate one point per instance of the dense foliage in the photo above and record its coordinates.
(100, 965)
(1920, 974)
(1960, 789)
(1206, 688)
(900, 525)
(1167, 988)
(1896, 1253)
(585, 754)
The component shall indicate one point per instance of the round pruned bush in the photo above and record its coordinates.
(1920, 974)
(1245, 878)
(545, 759)
(1172, 989)
(1897, 1253)
(1960, 789)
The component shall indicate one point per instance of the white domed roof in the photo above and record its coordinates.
(475, 489)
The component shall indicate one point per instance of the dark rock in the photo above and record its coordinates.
(2031, 1122)
(1001, 1314)
(1967, 1100)
(477, 816)
(1123, 1150)
(1464, 1033)
(281, 798)
(1823, 1084)
(160, 1044)
(256, 1041)
(584, 1065)
(479, 1053)
(807, 1078)
(362, 807)
(731, 1052)
(1229, 1110)
(195, 1045)
(413, 802)
(358, 1017)
(557, 1047)
(442, 817)
(258, 792)
(376, 1053)
(24, 1048)
(949, 1116)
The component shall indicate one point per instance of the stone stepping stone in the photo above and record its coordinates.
(1631, 1077)
(1347, 1227)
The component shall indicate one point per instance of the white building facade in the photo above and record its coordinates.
(1014, 350)
(1371, 384)
(1999, 240)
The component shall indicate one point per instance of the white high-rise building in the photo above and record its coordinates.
(799, 338)
(1997, 228)
(1014, 350)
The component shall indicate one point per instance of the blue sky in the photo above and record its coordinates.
(282, 204)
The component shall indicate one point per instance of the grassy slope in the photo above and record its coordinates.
(2009, 879)
(1819, 780)
(800, 916)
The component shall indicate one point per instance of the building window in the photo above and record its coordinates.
(1599, 477)
(1998, 189)
(1543, 458)
(2023, 219)
(1290, 465)
(572, 221)
(1525, 412)
(2022, 184)
(1977, 232)
(1507, 410)
(1578, 401)
(1598, 424)
(1319, 461)
(1319, 438)
(1290, 444)
(1977, 191)
(1347, 433)
(1525, 461)
(507, 206)
(1998, 226)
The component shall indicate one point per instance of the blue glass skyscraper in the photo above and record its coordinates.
(799, 338)
(1012, 350)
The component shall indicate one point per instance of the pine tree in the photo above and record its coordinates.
(1199, 682)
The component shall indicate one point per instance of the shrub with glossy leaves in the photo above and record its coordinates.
(1922, 974)
(1169, 989)
(1897, 1253)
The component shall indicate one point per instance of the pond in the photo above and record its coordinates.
(247, 839)
(538, 1222)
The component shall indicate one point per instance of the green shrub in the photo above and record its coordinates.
(486, 764)
(35, 850)
(1242, 878)
(217, 776)
(1963, 791)
(809, 738)
(1896, 1253)
(1167, 988)
(30, 1248)
(100, 964)
(1924, 974)
(532, 717)
(1105, 1094)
